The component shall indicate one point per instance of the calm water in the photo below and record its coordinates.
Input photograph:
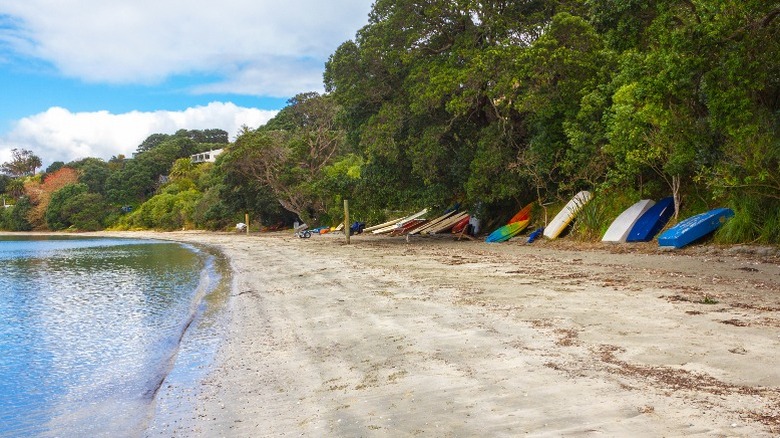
(89, 328)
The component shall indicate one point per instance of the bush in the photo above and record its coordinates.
(755, 220)
(15, 218)
(166, 211)
(87, 212)
(54, 215)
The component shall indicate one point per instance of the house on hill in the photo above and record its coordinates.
(206, 157)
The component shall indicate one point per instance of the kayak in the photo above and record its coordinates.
(524, 213)
(567, 214)
(507, 231)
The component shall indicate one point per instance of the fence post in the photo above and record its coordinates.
(346, 219)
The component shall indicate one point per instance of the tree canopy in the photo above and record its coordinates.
(23, 163)
(490, 104)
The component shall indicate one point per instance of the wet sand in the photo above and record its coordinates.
(437, 337)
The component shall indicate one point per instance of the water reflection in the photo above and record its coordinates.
(88, 328)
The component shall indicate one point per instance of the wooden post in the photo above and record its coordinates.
(246, 219)
(346, 219)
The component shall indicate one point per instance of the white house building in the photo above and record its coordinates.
(206, 157)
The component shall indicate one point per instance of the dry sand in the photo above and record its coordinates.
(443, 338)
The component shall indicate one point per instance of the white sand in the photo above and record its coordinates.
(435, 337)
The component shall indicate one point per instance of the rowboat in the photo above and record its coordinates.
(652, 221)
(507, 231)
(694, 228)
(433, 222)
(622, 225)
(408, 226)
(445, 224)
(399, 223)
(460, 225)
(567, 214)
(383, 225)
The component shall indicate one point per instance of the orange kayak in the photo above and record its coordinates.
(523, 214)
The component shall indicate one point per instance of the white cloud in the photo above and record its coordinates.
(60, 135)
(266, 47)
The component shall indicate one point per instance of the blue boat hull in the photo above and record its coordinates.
(535, 235)
(652, 221)
(694, 228)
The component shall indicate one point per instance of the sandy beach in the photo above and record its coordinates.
(442, 338)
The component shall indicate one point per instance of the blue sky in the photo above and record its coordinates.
(97, 77)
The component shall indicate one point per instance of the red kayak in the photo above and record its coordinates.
(409, 226)
(460, 225)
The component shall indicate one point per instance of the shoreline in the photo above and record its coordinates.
(198, 344)
(443, 338)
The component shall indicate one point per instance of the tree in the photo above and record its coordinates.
(165, 211)
(442, 96)
(290, 161)
(4, 180)
(15, 188)
(15, 218)
(56, 216)
(207, 136)
(55, 166)
(86, 211)
(139, 178)
(151, 142)
(40, 193)
(93, 172)
(23, 163)
(183, 168)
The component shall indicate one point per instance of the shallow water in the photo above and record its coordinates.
(89, 328)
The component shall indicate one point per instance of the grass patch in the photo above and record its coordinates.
(755, 221)
(708, 300)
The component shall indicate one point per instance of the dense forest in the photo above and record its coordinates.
(489, 104)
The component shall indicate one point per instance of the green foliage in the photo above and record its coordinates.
(755, 221)
(93, 172)
(490, 179)
(139, 178)
(4, 180)
(493, 101)
(57, 216)
(491, 104)
(339, 181)
(588, 223)
(211, 212)
(15, 218)
(86, 212)
(288, 157)
(166, 211)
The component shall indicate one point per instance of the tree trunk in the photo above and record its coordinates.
(676, 195)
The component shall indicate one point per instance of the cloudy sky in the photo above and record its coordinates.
(96, 77)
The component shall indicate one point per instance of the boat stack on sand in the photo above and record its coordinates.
(640, 222)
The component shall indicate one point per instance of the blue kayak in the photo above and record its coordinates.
(694, 228)
(652, 221)
(535, 235)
